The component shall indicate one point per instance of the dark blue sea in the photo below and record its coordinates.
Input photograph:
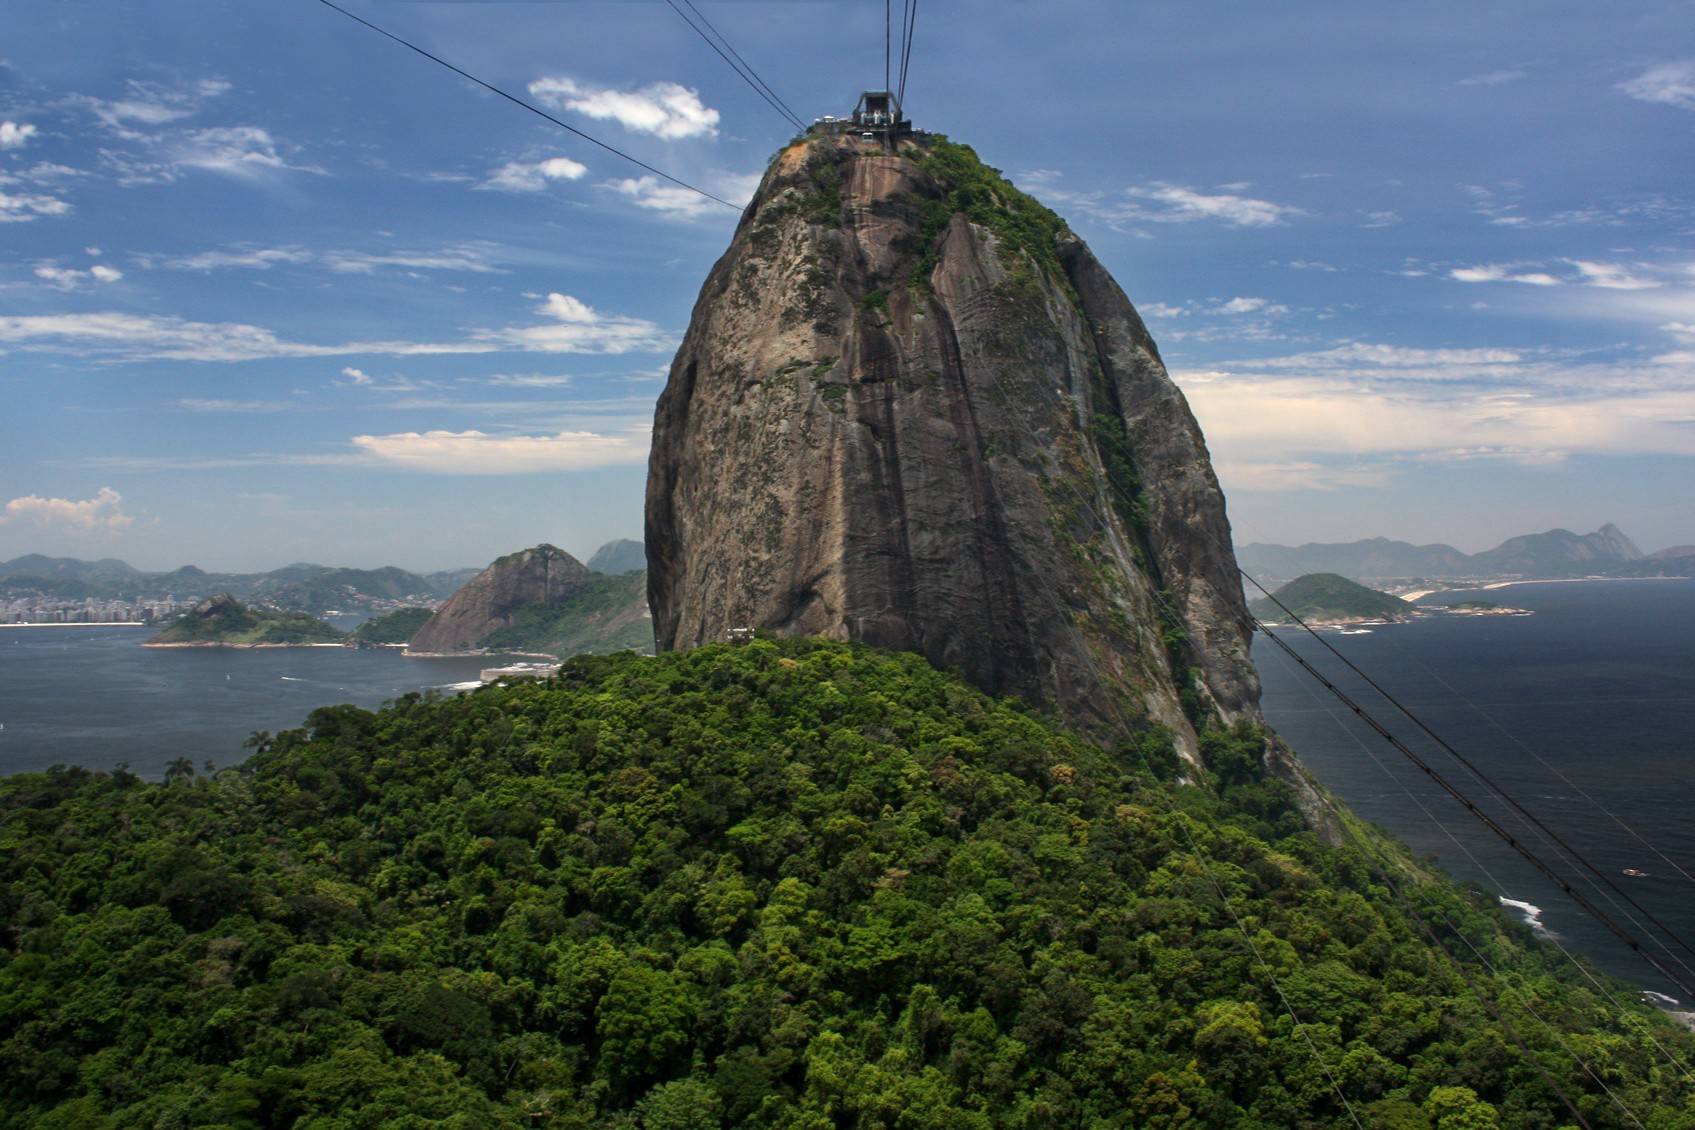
(1583, 711)
(94, 696)
(1598, 684)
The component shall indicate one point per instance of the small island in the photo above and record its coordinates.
(395, 629)
(223, 621)
(1330, 599)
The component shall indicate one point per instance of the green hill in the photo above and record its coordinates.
(1328, 597)
(796, 884)
(607, 613)
(224, 620)
(396, 627)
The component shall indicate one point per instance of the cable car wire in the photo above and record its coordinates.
(1536, 861)
(745, 64)
(1605, 993)
(1489, 783)
(911, 19)
(1553, 769)
(746, 74)
(515, 100)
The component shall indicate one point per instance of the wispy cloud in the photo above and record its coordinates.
(1669, 84)
(69, 278)
(1358, 413)
(475, 257)
(1175, 204)
(664, 109)
(240, 258)
(1495, 78)
(571, 326)
(480, 453)
(1501, 272)
(21, 208)
(260, 407)
(103, 512)
(533, 176)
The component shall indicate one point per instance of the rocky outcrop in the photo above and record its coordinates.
(913, 409)
(494, 599)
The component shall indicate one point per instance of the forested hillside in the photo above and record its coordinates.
(784, 884)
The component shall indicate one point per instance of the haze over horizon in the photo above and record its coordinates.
(277, 289)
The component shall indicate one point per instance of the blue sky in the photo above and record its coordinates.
(273, 288)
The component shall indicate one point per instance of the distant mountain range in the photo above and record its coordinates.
(1556, 553)
(302, 586)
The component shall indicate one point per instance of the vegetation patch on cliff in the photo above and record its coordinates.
(789, 883)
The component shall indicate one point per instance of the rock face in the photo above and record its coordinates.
(912, 409)
(493, 599)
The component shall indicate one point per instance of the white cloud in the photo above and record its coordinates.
(1251, 306)
(195, 404)
(69, 278)
(1357, 413)
(529, 380)
(1162, 310)
(1380, 219)
(15, 135)
(579, 328)
(667, 199)
(1499, 272)
(479, 453)
(1670, 84)
(1183, 205)
(663, 109)
(246, 258)
(21, 208)
(575, 327)
(151, 104)
(356, 376)
(473, 257)
(1495, 78)
(1611, 276)
(102, 512)
(533, 176)
(246, 152)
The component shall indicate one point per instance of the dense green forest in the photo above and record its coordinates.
(224, 620)
(394, 627)
(793, 883)
(1330, 596)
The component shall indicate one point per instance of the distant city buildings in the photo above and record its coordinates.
(40, 610)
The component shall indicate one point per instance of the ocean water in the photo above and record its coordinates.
(1584, 712)
(96, 697)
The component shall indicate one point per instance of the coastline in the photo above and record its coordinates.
(84, 624)
(238, 646)
(477, 654)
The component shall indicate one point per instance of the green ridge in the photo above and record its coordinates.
(224, 620)
(1328, 596)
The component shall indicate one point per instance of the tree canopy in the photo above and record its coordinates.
(789, 883)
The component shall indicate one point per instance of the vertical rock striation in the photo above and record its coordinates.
(913, 409)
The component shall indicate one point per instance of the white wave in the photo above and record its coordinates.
(470, 686)
(1529, 912)
(1660, 999)
(290, 679)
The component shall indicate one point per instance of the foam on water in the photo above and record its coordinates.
(1530, 913)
